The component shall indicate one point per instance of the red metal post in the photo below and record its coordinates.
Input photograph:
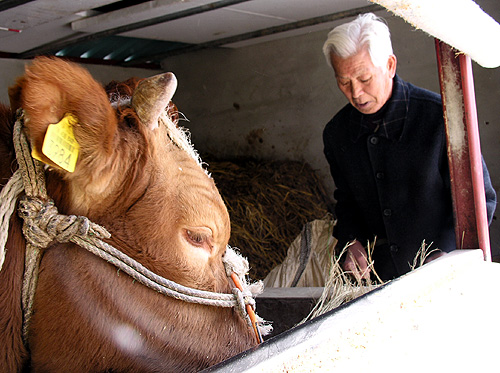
(464, 152)
(475, 155)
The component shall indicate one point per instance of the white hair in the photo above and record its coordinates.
(366, 31)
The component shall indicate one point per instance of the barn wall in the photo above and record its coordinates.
(273, 100)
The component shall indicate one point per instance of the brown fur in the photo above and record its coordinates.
(88, 316)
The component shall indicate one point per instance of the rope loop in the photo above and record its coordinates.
(243, 299)
(241, 306)
(249, 299)
(44, 225)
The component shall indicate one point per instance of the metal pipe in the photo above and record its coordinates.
(457, 147)
(475, 155)
(464, 151)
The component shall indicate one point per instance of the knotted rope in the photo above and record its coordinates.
(43, 225)
(8, 197)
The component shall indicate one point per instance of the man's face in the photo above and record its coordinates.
(366, 86)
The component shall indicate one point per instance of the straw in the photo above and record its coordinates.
(268, 202)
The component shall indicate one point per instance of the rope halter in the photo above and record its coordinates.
(44, 225)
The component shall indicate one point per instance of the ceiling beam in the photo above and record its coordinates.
(63, 43)
(259, 33)
(7, 4)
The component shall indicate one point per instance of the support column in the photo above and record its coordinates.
(464, 152)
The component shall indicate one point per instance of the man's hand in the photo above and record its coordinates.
(356, 261)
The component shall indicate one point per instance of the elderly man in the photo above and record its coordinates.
(387, 155)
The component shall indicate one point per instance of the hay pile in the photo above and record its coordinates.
(268, 202)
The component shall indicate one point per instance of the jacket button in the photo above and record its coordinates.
(380, 175)
(394, 248)
(387, 212)
(374, 140)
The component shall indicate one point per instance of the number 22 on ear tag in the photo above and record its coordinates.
(60, 145)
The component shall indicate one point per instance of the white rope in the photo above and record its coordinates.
(8, 198)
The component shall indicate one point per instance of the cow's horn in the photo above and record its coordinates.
(152, 96)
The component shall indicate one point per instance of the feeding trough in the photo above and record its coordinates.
(440, 316)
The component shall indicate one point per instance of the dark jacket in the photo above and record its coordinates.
(394, 183)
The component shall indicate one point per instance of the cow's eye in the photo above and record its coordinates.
(200, 237)
(197, 238)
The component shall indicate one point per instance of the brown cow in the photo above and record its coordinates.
(160, 207)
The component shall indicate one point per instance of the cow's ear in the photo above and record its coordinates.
(54, 89)
(152, 96)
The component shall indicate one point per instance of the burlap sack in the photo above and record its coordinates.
(308, 259)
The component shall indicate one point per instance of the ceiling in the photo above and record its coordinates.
(142, 33)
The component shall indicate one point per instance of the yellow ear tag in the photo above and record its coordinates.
(60, 145)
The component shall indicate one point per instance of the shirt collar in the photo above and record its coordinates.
(392, 121)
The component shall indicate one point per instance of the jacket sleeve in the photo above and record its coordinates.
(491, 196)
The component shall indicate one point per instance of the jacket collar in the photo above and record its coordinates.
(393, 119)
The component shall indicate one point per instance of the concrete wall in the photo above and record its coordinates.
(273, 100)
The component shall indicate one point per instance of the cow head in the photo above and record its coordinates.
(133, 162)
(138, 176)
